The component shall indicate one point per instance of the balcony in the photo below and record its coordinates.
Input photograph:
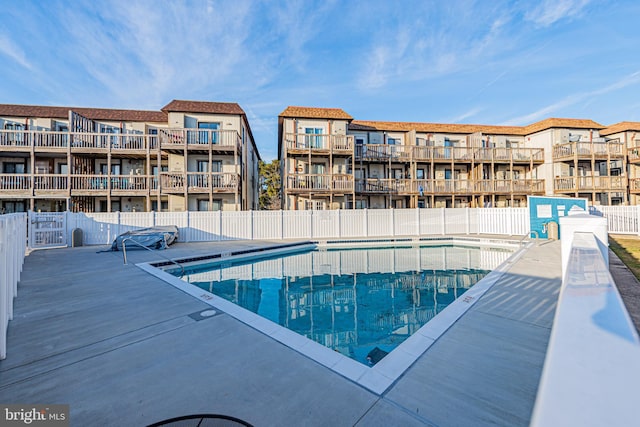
(302, 143)
(177, 140)
(51, 141)
(478, 155)
(633, 154)
(384, 153)
(199, 182)
(50, 185)
(634, 185)
(588, 150)
(509, 155)
(17, 185)
(313, 183)
(571, 184)
(449, 187)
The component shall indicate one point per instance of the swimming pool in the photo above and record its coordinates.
(489, 253)
(360, 302)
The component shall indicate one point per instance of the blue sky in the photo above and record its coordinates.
(447, 61)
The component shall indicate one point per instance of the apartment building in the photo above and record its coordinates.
(331, 161)
(190, 155)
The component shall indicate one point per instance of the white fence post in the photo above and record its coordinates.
(393, 222)
(366, 222)
(418, 221)
(468, 221)
(13, 241)
(444, 221)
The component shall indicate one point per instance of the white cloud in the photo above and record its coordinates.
(13, 51)
(549, 12)
(467, 114)
(590, 96)
(149, 52)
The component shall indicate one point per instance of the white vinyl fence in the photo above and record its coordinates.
(620, 219)
(102, 228)
(13, 244)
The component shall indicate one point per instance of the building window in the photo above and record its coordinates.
(203, 205)
(208, 132)
(12, 167)
(313, 141)
(164, 206)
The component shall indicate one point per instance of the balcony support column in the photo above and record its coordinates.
(185, 176)
(210, 174)
(109, 179)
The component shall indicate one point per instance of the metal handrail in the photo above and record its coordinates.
(528, 234)
(124, 252)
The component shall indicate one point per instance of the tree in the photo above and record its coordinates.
(269, 185)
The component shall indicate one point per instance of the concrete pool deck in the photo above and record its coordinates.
(120, 347)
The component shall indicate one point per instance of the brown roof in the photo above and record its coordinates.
(315, 113)
(561, 123)
(203, 107)
(9, 110)
(621, 127)
(434, 127)
(470, 128)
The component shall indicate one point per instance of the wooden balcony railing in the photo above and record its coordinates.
(587, 150)
(634, 185)
(123, 184)
(309, 182)
(15, 182)
(383, 152)
(633, 154)
(322, 142)
(50, 140)
(198, 138)
(50, 182)
(199, 181)
(340, 183)
(590, 183)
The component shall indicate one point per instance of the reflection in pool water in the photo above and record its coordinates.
(362, 302)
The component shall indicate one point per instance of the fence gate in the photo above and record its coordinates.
(47, 229)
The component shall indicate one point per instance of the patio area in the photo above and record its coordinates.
(124, 348)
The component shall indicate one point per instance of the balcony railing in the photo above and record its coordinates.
(309, 182)
(321, 142)
(633, 154)
(12, 139)
(421, 187)
(122, 184)
(586, 150)
(198, 138)
(590, 183)
(199, 181)
(15, 182)
(383, 152)
(634, 185)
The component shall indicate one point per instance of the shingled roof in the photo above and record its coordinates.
(621, 127)
(11, 110)
(434, 127)
(203, 107)
(561, 123)
(315, 113)
(470, 128)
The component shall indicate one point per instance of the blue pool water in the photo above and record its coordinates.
(362, 302)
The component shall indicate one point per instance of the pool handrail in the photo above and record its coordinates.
(124, 252)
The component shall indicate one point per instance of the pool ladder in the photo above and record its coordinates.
(527, 236)
(124, 252)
